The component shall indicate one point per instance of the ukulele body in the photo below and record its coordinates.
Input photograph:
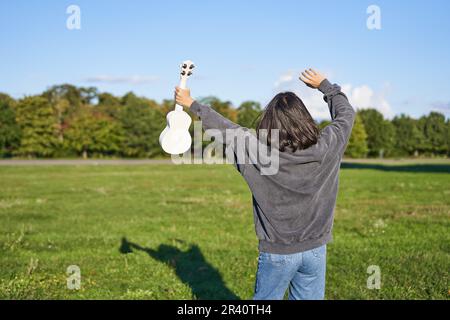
(175, 138)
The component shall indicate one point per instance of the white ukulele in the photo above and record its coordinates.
(175, 138)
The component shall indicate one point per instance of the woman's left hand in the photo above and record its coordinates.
(312, 78)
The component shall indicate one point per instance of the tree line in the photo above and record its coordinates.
(70, 121)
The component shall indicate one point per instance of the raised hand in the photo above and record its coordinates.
(183, 97)
(312, 78)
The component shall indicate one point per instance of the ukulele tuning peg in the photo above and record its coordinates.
(184, 66)
(191, 66)
(183, 73)
(189, 73)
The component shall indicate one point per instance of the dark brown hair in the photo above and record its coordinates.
(287, 113)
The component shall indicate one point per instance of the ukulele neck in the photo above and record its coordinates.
(182, 85)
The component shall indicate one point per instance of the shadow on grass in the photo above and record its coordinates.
(190, 266)
(430, 168)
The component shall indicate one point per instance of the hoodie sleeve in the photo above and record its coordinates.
(243, 149)
(342, 115)
(211, 119)
(224, 131)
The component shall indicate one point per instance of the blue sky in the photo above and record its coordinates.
(243, 49)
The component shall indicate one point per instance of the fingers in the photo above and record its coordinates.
(178, 93)
(311, 73)
(182, 96)
(314, 71)
(306, 76)
(311, 78)
(304, 79)
(179, 90)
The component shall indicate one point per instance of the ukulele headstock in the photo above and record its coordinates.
(187, 68)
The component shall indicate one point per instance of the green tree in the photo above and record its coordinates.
(9, 129)
(167, 105)
(380, 133)
(76, 96)
(408, 136)
(67, 99)
(90, 133)
(248, 113)
(109, 105)
(434, 130)
(357, 145)
(448, 137)
(142, 121)
(38, 125)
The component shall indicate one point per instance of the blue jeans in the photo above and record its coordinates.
(303, 273)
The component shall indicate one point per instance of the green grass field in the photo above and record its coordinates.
(182, 232)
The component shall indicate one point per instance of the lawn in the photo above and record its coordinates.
(181, 232)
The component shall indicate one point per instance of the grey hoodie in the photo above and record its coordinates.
(293, 208)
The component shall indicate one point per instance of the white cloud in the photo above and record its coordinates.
(134, 79)
(285, 78)
(361, 97)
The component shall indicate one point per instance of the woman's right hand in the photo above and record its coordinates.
(183, 97)
(312, 78)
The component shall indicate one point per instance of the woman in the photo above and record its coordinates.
(293, 208)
